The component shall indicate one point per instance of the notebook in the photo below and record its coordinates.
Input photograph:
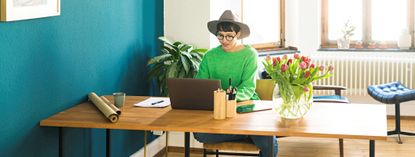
(193, 94)
(154, 102)
(257, 105)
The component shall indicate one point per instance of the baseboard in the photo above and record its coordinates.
(181, 150)
(154, 149)
(175, 149)
(161, 153)
(402, 117)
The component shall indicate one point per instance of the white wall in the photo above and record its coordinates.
(185, 20)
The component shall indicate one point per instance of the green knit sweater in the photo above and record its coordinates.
(240, 66)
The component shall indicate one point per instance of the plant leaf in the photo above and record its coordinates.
(158, 59)
(195, 64)
(172, 70)
(186, 48)
(155, 71)
(166, 41)
(187, 54)
(177, 43)
(185, 64)
(200, 50)
(196, 56)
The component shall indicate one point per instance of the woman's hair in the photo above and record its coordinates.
(227, 27)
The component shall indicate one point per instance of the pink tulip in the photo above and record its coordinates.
(284, 57)
(303, 65)
(274, 61)
(321, 67)
(296, 56)
(305, 59)
(278, 59)
(306, 89)
(331, 68)
(284, 67)
(268, 58)
(307, 74)
(290, 61)
(312, 66)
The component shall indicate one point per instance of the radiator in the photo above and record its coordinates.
(357, 71)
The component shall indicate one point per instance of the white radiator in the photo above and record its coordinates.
(358, 70)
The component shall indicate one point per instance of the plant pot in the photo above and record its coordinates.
(343, 43)
(295, 101)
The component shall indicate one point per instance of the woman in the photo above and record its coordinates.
(232, 60)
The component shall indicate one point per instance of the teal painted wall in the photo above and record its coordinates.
(47, 65)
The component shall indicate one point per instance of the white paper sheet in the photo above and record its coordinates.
(154, 102)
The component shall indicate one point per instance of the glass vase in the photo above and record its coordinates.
(296, 102)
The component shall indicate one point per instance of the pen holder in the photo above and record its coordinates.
(230, 108)
(219, 106)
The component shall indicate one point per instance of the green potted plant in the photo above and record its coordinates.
(176, 60)
(347, 31)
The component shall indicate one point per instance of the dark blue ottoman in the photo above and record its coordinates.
(393, 93)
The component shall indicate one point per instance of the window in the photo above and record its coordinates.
(376, 22)
(265, 19)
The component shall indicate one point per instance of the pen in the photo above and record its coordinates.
(231, 91)
(157, 102)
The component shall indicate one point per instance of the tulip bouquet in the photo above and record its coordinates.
(294, 77)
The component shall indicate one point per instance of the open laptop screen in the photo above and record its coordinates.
(194, 94)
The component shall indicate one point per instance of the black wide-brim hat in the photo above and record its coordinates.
(228, 16)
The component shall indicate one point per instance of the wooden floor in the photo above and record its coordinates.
(320, 147)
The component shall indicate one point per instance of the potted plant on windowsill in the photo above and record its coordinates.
(344, 41)
(176, 60)
(359, 44)
(372, 44)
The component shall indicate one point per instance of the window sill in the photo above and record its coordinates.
(367, 50)
(280, 51)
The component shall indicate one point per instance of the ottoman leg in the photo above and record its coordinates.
(407, 133)
(397, 123)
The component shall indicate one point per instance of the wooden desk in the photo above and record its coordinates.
(324, 120)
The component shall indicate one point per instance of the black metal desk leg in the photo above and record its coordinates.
(145, 143)
(372, 148)
(341, 147)
(108, 142)
(60, 142)
(187, 144)
(271, 142)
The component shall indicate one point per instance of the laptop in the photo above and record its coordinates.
(192, 94)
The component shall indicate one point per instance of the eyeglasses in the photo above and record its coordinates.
(227, 37)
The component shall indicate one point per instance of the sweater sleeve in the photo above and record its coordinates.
(246, 89)
(203, 72)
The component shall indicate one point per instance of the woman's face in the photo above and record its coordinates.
(228, 40)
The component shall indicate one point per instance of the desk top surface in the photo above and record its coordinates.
(330, 120)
